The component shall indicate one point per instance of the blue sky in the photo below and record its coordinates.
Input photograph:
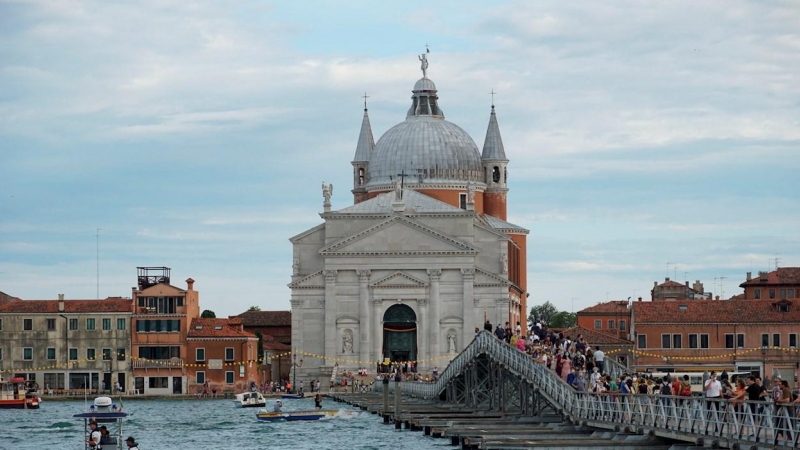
(646, 139)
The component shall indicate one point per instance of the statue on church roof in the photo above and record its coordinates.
(471, 192)
(398, 190)
(327, 192)
(424, 63)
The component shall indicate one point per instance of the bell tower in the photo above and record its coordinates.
(495, 169)
(364, 148)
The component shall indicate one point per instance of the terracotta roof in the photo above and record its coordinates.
(715, 311)
(784, 275)
(614, 306)
(671, 283)
(595, 337)
(108, 305)
(5, 298)
(737, 297)
(266, 318)
(269, 343)
(218, 328)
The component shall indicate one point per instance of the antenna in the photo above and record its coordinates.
(97, 235)
(776, 260)
(668, 263)
(722, 286)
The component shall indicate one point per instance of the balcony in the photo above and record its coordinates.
(157, 363)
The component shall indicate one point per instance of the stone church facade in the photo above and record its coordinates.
(422, 257)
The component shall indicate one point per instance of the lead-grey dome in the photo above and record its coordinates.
(426, 146)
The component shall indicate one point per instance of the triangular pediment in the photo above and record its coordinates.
(161, 289)
(312, 281)
(398, 235)
(485, 278)
(399, 279)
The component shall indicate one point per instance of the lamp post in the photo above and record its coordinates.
(295, 365)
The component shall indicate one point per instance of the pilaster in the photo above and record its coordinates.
(363, 314)
(435, 310)
(468, 276)
(330, 316)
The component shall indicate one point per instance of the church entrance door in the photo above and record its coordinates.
(400, 333)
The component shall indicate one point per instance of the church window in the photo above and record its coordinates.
(462, 201)
(505, 175)
(360, 177)
(496, 174)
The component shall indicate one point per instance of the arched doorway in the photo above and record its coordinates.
(400, 333)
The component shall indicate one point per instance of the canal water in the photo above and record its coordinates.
(194, 424)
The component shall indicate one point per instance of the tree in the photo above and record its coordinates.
(563, 319)
(208, 314)
(260, 345)
(254, 308)
(543, 312)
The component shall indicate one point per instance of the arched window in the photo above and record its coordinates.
(496, 174)
(360, 177)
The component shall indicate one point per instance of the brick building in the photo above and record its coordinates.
(221, 353)
(67, 344)
(783, 283)
(162, 314)
(741, 335)
(673, 291)
(613, 317)
(274, 329)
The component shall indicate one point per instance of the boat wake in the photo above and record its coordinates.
(344, 414)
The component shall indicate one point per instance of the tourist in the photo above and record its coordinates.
(105, 436)
(132, 445)
(487, 326)
(579, 383)
(94, 436)
(278, 406)
(599, 359)
(318, 402)
(566, 367)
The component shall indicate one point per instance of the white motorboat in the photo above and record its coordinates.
(250, 400)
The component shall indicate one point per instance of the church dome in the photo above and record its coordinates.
(425, 147)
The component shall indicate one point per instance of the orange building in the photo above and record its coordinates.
(671, 290)
(612, 317)
(780, 284)
(741, 335)
(274, 329)
(222, 354)
(162, 314)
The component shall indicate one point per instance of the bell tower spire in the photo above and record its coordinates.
(364, 148)
(495, 168)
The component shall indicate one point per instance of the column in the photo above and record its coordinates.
(330, 317)
(422, 330)
(377, 330)
(363, 314)
(502, 310)
(468, 275)
(435, 338)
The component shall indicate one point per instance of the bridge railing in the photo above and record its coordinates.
(762, 422)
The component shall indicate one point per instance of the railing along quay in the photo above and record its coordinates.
(490, 374)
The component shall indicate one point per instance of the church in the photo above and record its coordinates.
(422, 257)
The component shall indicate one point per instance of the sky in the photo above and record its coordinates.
(646, 139)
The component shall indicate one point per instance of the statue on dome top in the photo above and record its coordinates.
(424, 62)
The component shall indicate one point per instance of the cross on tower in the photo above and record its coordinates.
(402, 176)
(492, 94)
(365, 97)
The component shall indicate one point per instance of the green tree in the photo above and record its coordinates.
(208, 314)
(254, 308)
(260, 345)
(563, 319)
(543, 312)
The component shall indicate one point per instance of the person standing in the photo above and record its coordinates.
(599, 359)
(318, 402)
(94, 436)
(713, 390)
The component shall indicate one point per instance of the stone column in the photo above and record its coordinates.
(363, 314)
(468, 274)
(502, 310)
(435, 309)
(331, 340)
(422, 330)
(377, 330)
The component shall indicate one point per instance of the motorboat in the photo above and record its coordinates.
(104, 411)
(14, 394)
(290, 396)
(250, 400)
(290, 416)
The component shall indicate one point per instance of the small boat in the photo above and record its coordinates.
(14, 394)
(250, 400)
(103, 411)
(293, 396)
(290, 416)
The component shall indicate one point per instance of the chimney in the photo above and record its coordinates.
(189, 284)
(717, 298)
(61, 303)
(666, 279)
(655, 284)
(687, 284)
(640, 298)
(749, 276)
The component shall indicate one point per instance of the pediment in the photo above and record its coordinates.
(399, 235)
(312, 281)
(399, 279)
(347, 320)
(485, 278)
(452, 320)
(160, 290)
